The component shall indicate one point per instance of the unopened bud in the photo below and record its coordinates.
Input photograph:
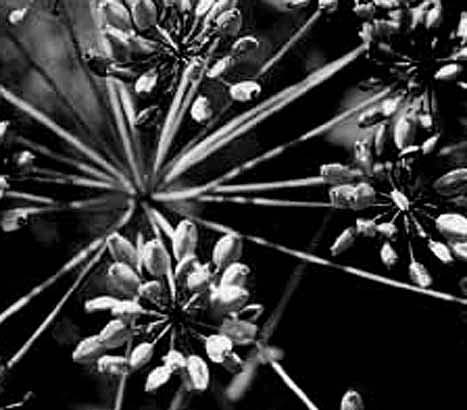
(201, 110)
(344, 241)
(388, 255)
(114, 334)
(123, 279)
(452, 226)
(419, 275)
(245, 91)
(88, 350)
(198, 373)
(156, 259)
(121, 249)
(141, 355)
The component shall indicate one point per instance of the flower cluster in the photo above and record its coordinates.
(193, 304)
(151, 42)
(412, 212)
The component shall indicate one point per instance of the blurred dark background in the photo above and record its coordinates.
(399, 350)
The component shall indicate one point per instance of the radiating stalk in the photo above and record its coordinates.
(266, 202)
(77, 284)
(270, 186)
(250, 119)
(316, 260)
(65, 136)
(122, 384)
(272, 153)
(24, 196)
(288, 381)
(69, 162)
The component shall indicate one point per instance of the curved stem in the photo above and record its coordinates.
(270, 186)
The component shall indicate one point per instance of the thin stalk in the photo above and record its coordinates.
(288, 381)
(316, 260)
(24, 196)
(123, 382)
(272, 153)
(250, 119)
(65, 136)
(266, 202)
(270, 186)
(70, 162)
(77, 284)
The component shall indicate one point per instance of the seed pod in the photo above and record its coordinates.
(241, 332)
(452, 183)
(419, 275)
(441, 251)
(218, 347)
(100, 304)
(452, 226)
(198, 280)
(144, 14)
(201, 110)
(88, 350)
(352, 400)
(235, 274)
(244, 45)
(336, 174)
(123, 279)
(221, 66)
(197, 372)
(388, 255)
(158, 377)
(122, 250)
(405, 129)
(113, 365)
(370, 117)
(115, 14)
(344, 241)
(227, 250)
(13, 219)
(141, 355)
(459, 250)
(147, 84)
(228, 298)
(449, 72)
(245, 91)
(114, 334)
(156, 259)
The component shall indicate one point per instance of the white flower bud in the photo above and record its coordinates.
(201, 110)
(100, 304)
(197, 372)
(230, 22)
(114, 334)
(114, 365)
(241, 332)
(388, 255)
(14, 219)
(400, 200)
(156, 259)
(245, 91)
(388, 230)
(336, 173)
(449, 72)
(158, 377)
(459, 250)
(220, 67)
(244, 45)
(3, 186)
(141, 355)
(235, 274)
(88, 350)
(115, 14)
(123, 279)
(198, 280)
(441, 251)
(122, 250)
(429, 146)
(228, 298)
(328, 6)
(217, 347)
(147, 84)
(405, 129)
(344, 241)
(18, 15)
(127, 309)
(352, 401)
(144, 14)
(452, 183)
(452, 226)
(227, 250)
(419, 275)
(175, 360)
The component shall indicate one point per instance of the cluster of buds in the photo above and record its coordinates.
(151, 42)
(195, 305)
(407, 35)
(404, 201)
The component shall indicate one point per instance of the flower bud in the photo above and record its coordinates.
(115, 14)
(147, 118)
(230, 22)
(127, 310)
(434, 17)
(335, 174)
(429, 146)
(187, 265)
(113, 365)
(175, 360)
(380, 139)
(100, 304)
(388, 255)
(147, 84)
(152, 291)
(221, 66)
(400, 200)
(18, 15)
(122, 250)
(14, 219)
(3, 186)
(88, 350)
(419, 275)
(218, 347)
(404, 131)
(244, 45)
(452, 183)
(197, 373)
(363, 196)
(24, 161)
(390, 106)
(228, 298)
(201, 110)
(366, 228)
(114, 334)
(251, 313)
(441, 251)
(341, 196)
(141, 355)
(235, 274)
(227, 250)
(198, 280)
(328, 6)
(459, 250)
(449, 72)
(363, 156)
(344, 241)
(118, 41)
(352, 401)
(144, 14)
(241, 333)
(452, 226)
(370, 117)
(158, 377)
(156, 259)
(462, 28)
(123, 279)
(245, 91)
(388, 230)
